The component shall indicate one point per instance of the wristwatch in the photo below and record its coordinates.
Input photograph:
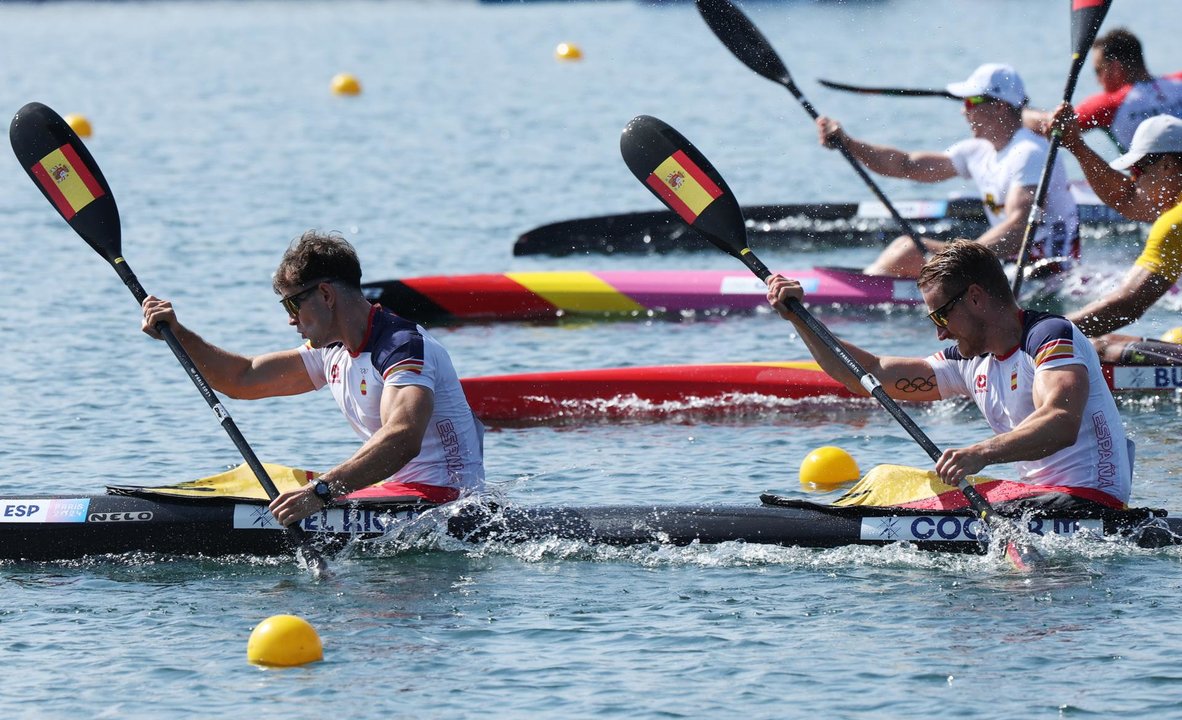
(323, 491)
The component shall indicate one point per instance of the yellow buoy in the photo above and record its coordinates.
(284, 641)
(1172, 336)
(568, 51)
(79, 124)
(827, 467)
(346, 84)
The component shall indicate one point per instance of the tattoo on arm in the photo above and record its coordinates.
(917, 384)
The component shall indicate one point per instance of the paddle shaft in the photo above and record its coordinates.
(1087, 17)
(133, 284)
(870, 383)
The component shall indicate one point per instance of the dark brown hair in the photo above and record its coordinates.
(966, 262)
(1122, 46)
(318, 255)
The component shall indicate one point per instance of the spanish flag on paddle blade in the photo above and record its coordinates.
(67, 181)
(683, 186)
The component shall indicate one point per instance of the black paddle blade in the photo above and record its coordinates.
(61, 166)
(685, 181)
(893, 91)
(1086, 18)
(744, 40)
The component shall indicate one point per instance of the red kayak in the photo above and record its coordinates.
(698, 390)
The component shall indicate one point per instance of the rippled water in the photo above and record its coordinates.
(215, 128)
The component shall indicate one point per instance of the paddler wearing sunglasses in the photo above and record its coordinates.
(1034, 376)
(1004, 159)
(1151, 192)
(395, 384)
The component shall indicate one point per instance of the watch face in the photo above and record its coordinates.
(322, 491)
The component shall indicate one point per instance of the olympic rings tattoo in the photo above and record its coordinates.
(919, 384)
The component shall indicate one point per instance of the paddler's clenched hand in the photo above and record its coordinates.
(295, 505)
(829, 131)
(1065, 122)
(157, 311)
(779, 289)
(956, 464)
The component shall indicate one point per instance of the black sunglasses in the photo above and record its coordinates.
(292, 302)
(939, 316)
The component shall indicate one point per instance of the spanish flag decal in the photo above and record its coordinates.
(683, 185)
(67, 181)
(1056, 349)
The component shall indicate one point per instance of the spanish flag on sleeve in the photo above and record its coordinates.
(67, 180)
(1054, 349)
(683, 185)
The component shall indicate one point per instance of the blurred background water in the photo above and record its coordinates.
(215, 127)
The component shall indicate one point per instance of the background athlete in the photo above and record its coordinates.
(1151, 193)
(1004, 159)
(395, 384)
(1131, 94)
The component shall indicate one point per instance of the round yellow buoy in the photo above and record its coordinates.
(1172, 336)
(284, 641)
(346, 84)
(79, 124)
(568, 51)
(827, 467)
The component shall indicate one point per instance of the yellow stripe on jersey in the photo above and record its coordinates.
(576, 292)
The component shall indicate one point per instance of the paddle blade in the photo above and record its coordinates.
(1086, 18)
(896, 92)
(744, 40)
(685, 181)
(63, 169)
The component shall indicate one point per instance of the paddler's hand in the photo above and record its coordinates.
(956, 464)
(156, 311)
(829, 132)
(295, 505)
(779, 289)
(1067, 124)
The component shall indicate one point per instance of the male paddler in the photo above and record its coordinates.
(1151, 192)
(395, 383)
(1004, 159)
(1034, 376)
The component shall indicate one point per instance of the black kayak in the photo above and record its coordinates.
(800, 226)
(135, 520)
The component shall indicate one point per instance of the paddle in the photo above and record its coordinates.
(895, 92)
(685, 181)
(1086, 18)
(62, 167)
(746, 43)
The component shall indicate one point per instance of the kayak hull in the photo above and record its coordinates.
(46, 528)
(703, 390)
(621, 294)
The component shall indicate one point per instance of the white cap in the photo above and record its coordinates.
(998, 81)
(1158, 134)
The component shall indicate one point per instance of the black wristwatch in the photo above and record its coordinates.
(323, 491)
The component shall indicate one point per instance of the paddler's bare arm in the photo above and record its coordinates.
(902, 378)
(921, 166)
(238, 376)
(406, 414)
(1117, 190)
(1139, 291)
(1005, 238)
(1059, 398)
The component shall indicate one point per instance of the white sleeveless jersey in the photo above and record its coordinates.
(397, 352)
(997, 173)
(1002, 388)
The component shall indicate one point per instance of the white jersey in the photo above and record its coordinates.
(1019, 164)
(1100, 458)
(395, 353)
